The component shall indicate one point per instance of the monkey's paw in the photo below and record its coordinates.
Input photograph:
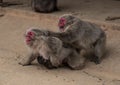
(24, 64)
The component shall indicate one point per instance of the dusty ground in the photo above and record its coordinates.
(86, 9)
(12, 46)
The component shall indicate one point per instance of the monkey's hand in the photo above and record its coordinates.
(24, 63)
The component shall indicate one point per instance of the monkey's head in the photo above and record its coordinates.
(29, 37)
(65, 20)
(33, 35)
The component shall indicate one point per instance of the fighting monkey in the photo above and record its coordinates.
(86, 37)
(41, 46)
(51, 51)
(44, 6)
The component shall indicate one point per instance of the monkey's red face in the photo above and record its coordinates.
(61, 24)
(29, 37)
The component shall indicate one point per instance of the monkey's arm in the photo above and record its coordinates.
(71, 35)
(28, 60)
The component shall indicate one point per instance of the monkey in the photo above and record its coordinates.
(86, 37)
(50, 51)
(30, 40)
(44, 6)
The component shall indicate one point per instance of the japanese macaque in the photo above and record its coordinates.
(44, 6)
(86, 37)
(50, 51)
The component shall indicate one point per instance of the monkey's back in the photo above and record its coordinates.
(89, 33)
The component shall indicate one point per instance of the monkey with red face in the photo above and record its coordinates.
(50, 51)
(89, 39)
(38, 48)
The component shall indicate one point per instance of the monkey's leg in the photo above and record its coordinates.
(88, 53)
(100, 50)
(31, 57)
(76, 61)
(44, 62)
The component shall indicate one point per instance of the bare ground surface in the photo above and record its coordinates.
(12, 47)
(85, 9)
